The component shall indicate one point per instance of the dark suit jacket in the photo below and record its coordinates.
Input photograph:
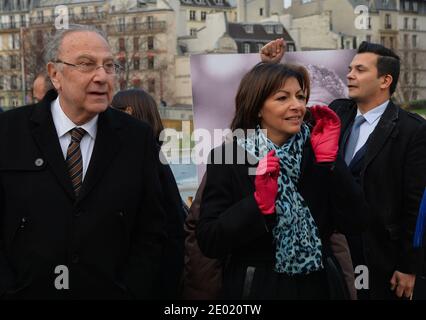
(110, 237)
(392, 173)
(168, 284)
(231, 223)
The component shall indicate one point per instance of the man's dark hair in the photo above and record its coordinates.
(388, 61)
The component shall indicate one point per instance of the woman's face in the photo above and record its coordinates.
(282, 113)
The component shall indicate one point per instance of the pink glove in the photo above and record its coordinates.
(266, 183)
(325, 135)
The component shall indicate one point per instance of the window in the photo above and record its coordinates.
(40, 16)
(121, 24)
(368, 38)
(150, 20)
(246, 48)
(406, 57)
(415, 7)
(414, 78)
(15, 41)
(23, 24)
(278, 29)
(414, 41)
(135, 23)
(261, 12)
(407, 5)
(388, 24)
(84, 11)
(348, 44)
(71, 12)
(192, 15)
(248, 28)
(13, 82)
(391, 44)
(406, 78)
(151, 62)
(406, 40)
(121, 44)
(259, 46)
(193, 32)
(136, 43)
(382, 41)
(1, 63)
(1, 83)
(12, 22)
(136, 63)
(14, 101)
(369, 23)
(414, 23)
(151, 86)
(414, 59)
(203, 15)
(98, 10)
(269, 29)
(150, 43)
(405, 23)
(12, 62)
(1, 99)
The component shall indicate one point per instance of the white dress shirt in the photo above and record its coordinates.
(372, 118)
(63, 125)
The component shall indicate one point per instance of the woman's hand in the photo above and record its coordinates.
(325, 134)
(273, 51)
(266, 183)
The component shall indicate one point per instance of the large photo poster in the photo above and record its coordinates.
(216, 77)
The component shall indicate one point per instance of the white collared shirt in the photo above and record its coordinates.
(63, 125)
(372, 118)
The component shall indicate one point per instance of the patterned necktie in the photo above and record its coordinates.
(74, 159)
(353, 139)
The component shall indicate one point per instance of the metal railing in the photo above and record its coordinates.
(147, 27)
(72, 18)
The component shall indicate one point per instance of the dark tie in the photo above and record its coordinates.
(74, 159)
(353, 139)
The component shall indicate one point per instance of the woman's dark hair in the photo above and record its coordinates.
(143, 107)
(258, 85)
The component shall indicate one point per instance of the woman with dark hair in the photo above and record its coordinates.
(270, 217)
(142, 106)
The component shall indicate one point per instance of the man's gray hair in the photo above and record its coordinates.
(52, 47)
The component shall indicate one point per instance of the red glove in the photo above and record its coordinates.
(325, 134)
(266, 183)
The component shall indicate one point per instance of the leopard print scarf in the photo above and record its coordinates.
(297, 242)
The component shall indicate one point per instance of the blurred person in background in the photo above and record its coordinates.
(139, 104)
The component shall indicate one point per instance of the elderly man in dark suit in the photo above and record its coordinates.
(79, 188)
(385, 149)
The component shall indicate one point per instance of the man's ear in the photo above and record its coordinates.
(387, 81)
(53, 73)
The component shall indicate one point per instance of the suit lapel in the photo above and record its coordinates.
(106, 146)
(44, 133)
(381, 133)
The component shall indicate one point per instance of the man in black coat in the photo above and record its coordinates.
(80, 199)
(386, 153)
